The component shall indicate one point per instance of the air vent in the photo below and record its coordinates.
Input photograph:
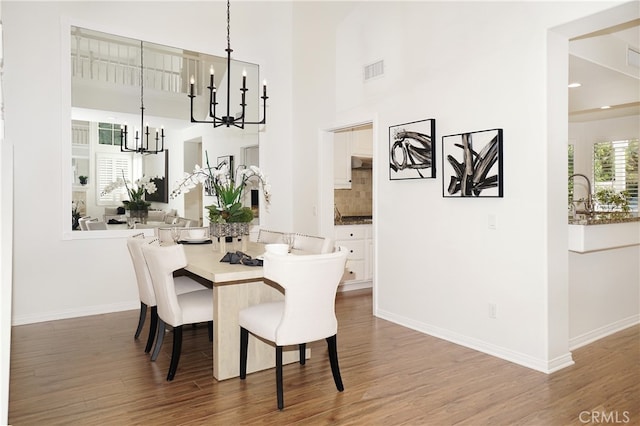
(373, 70)
(633, 57)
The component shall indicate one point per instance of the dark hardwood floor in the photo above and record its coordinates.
(90, 371)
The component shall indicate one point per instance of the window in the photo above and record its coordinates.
(109, 134)
(615, 165)
(110, 167)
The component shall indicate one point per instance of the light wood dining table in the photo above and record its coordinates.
(235, 287)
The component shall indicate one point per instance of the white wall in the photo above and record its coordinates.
(438, 265)
(56, 278)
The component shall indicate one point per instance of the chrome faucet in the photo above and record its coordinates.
(588, 205)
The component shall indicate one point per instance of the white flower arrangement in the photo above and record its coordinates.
(228, 190)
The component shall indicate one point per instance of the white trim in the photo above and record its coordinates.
(604, 331)
(355, 286)
(76, 313)
(542, 365)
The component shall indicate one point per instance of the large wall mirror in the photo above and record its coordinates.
(107, 92)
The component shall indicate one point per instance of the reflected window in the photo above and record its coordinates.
(109, 134)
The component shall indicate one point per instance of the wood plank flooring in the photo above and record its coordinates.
(90, 371)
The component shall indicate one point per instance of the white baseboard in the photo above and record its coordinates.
(599, 333)
(75, 313)
(359, 285)
(542, 365)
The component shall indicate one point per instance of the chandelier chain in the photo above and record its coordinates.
(228, 25)
(141, 76)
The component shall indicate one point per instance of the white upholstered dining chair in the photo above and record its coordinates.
(312, 244)
(146, 292)
(270, 237)
(83, 222)
(307, 313)
(95, 225)
(175, 310)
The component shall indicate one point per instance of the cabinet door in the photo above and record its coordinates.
(342, 160)
(354, 271)
(362, 142)
(355, 248)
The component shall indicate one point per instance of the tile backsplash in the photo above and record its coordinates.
(357, 201)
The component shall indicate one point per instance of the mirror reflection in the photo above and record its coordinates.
(116, 81)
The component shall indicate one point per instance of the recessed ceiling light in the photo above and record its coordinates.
(572, 85)
(605, 107)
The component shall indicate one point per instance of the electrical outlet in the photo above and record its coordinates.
(493, 310)
(492, 222)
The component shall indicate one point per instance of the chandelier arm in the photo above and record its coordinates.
(228, 120)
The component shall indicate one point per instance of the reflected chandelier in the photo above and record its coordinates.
(141, 142)
(228, 120)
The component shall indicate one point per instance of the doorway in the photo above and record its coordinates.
(193, 203)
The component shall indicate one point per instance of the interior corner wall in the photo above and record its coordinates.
(313, 46)
(439, 266)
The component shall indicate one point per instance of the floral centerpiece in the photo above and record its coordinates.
(136, 204)
(227, 189)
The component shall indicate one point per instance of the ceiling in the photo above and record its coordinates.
(598, 61)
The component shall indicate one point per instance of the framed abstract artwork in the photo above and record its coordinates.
(412, 150)
(224, 161)
(162, 184)
(472, 164)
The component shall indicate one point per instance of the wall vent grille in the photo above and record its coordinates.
(373, 70)
(633, 57)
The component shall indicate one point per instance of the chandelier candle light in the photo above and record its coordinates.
(228, 120)
(141, 144)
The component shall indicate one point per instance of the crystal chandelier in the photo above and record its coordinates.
(140, 144)
(228, 120)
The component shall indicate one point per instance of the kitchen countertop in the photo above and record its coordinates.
(354, 220)
(604, 218)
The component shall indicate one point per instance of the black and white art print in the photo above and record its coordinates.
(472, 164)
(224, 161)
(412, 150)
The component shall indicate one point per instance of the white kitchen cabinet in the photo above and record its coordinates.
(355, 142)
(362, 142)
(359, 242)
(342, 160)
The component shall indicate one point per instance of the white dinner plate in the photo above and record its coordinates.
(194, 240)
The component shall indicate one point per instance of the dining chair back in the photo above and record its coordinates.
(174, 309)
(146, 293)
(311, 244)
(306, 314)
(96, 226)
(83, 223)
(270, 237)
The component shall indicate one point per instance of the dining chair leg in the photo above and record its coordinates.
(159, 339)
(244, 343)
(175, 354)
(303, 350)
(279, 387)
(152, 329)
(143, 315)
(210, 330)
(333, 359)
